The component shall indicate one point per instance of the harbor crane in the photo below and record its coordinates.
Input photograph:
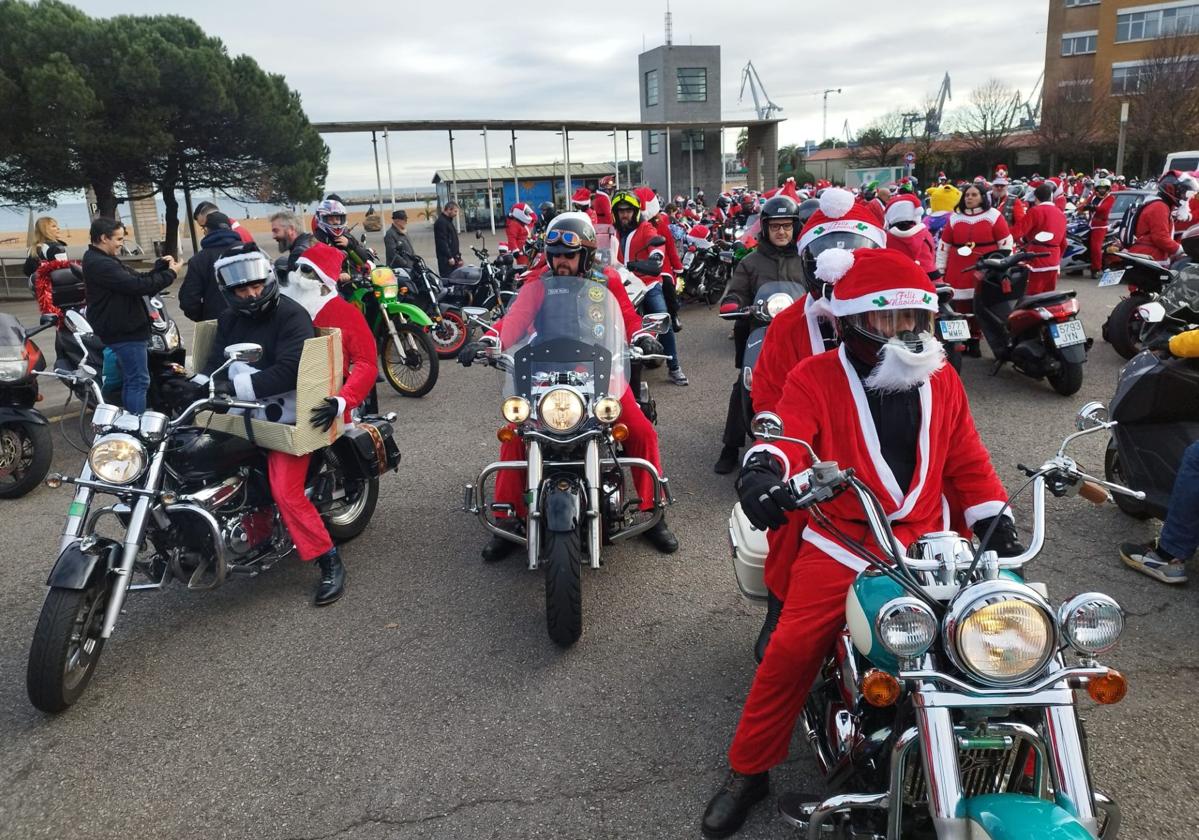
(749, 76)
(932, 120)
(1032, 115)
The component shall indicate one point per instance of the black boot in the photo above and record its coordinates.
(774, 608)
(499, 548)
(728, 461)
(727, 810)
(662, 538)
(332, 584)
(675, 323)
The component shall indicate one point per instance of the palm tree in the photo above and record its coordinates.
(742, 144)
(790, 159)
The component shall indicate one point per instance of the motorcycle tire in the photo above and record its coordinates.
(350, 520)
(1068, 378)
(60, 665)
(415, 374)
(1113, 471)
(1123, 327)
(26, 450)
(449, 335)
(562, 559)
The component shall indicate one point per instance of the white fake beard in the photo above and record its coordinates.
(306, 292)
(900, 369)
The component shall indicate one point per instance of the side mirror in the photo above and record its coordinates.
(655, 241)
(1044, 236)
(475, 313)
(78, 323)
(48, 319)
(247, 352)
(766, 425)
(657, 323)
(1152, 312)
(965, 251)
(1090, 416)
(362, 238)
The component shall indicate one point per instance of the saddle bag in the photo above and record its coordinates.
(369, 448)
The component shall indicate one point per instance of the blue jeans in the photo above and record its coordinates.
(655, 302)
(135, 373)
(1180, 531)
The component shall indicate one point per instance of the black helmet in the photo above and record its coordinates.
(778, 208)
(546, 210)
(571, 233)
(805, 210)
(243, 265)
(1173, 187)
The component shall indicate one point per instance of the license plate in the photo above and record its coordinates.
(1067, 333)
(955, 330)
(1111, 277)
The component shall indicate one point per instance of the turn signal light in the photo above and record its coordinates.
(880, 688)
(506, 434)
(54, 481)
(1108, 689)
(620, 432)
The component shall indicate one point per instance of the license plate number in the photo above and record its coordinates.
(1111, 277)
(955, 330)
(1067, 333)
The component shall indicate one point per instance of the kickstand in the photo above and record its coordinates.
(998, 366)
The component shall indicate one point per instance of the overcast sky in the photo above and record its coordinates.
(547, 60)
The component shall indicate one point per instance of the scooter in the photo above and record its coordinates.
(1145, 279)
(769, 301)
(26, 446)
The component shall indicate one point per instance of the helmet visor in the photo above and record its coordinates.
(839, 239)
(243, 269)
(885, 324)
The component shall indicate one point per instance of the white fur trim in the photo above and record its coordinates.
(652, 208)
(341, 407)
(982, 510)
(833, 264)
(901, 298)
(773, 450)
(905, 234)
(834, 550)
(903, 211)
(328, 281)
(836, 202)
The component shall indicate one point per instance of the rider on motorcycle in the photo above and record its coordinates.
(570, 246)
(331, 229)
(1153, 223)
(887, 405)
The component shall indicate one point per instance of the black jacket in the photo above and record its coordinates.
(115, 308)
(282, 334)
(445, 237)
(766, 264)
(199, 297)
(398, 249)
(45, 251)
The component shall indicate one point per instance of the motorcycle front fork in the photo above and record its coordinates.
(533, 478)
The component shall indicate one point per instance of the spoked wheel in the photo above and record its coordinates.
(562, 557)
(449, 334)
(353, 502)
(66, 645)
(25, 453)
(411, 367)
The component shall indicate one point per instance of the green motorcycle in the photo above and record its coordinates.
(407, 355)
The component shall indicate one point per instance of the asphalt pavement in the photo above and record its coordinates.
(429, 702)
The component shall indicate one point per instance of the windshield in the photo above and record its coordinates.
(11, 332)
(565, 331)
(790, 292)
(1180, 297)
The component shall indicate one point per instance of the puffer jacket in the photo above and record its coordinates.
(766, 264)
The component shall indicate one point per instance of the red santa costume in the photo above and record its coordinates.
(287, 473)
(912, 240)
(601, 205)
(982, 230)
(518, 227)
(1154, 232)
(825, 403)
(1100, 222)
(634, 244)
(1043, 271)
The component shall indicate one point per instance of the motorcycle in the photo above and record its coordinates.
(1040, 335)
(487, 285)
(194, 505)
(1145, 279)
(26, 445)
(407, 354)
(421, 287)
(1077, 256)
(946, 708)
(707, 275)
(953, 329)
(562, 389)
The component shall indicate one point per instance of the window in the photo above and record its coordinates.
(1157, 23)
(651, 88)
(653, 142)
(1133, 76)
(1070, 3)
(693, 84)
(1079, 43)
(693, 141)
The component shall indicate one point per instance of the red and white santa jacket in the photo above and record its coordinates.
(915, 243)
(634, 246)
(1102, 212)
(518, 234)
(1044, 218)
(358, 351)
(662, 223)
(982, 232)
(1154, 233)
(824, 403)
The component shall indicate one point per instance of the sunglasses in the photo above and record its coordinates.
(567, 237)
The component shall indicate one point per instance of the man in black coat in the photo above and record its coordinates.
(396, 244)
(445, 236)
(116, 310)
(199, 297)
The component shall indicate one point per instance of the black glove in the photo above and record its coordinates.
(323, 416)
(1004, 541)
(466, 356)
(650, 346)
(224, 388)
(764, 494)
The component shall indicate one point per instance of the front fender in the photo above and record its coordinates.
(74, 566)
(12, 414)
(560, 507)
(410, 311)
(1016, 816)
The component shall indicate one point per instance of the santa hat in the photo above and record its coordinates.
(325, 260)
(1001, 179)
(650, 206)
(581, 198)
(902, 210)
(878, 280)
(941, 176)
(788, 189)
(1056, 183)
(522, 212)
(840, 213)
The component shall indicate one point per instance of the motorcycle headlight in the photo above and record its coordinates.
(117, 458)
(515, 409)
(906, 627)
(1000, 633)
(12, 370)
(561, 409)
(390, 291)
(607, 410)
(1091, 622)
(776, 303)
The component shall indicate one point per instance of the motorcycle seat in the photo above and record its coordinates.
(1046, 299)
(467, 275)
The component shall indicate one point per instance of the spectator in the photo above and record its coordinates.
(399, 250)
(116, 310)
(199, 297)
(287, 229)
(46, 245)
(445, 236)
(205, 207)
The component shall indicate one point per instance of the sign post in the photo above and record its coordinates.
(908, 160)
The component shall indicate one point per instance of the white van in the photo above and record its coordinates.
(1182, 161)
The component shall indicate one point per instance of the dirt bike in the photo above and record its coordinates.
(407, 355)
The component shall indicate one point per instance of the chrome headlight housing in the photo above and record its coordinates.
(776, 303)
(1000, 632)
(1091, 623)
(515, 409)
(561, 409)
(117, 458)
(607, 409)
(906, 627)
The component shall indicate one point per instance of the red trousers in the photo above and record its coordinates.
(813, 615)
(287, 474)
(1097, 237)
(641, 443)
(1041, 281)
(784, 544)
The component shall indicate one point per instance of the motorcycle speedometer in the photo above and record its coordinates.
(117, 458)
(776, 303)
